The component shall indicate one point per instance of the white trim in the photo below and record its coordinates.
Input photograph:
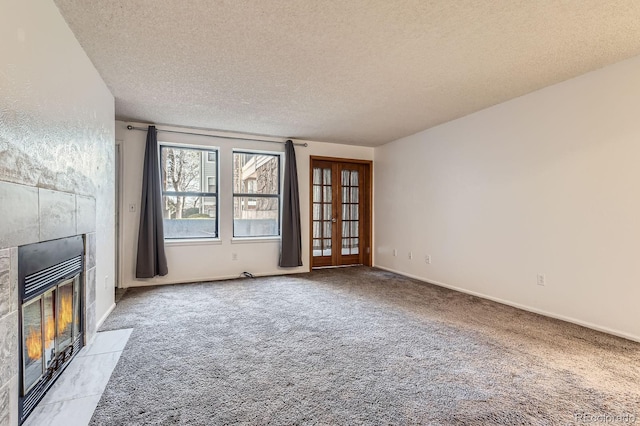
(192, 241)
(121, 213)
(256, 151)
(104, 317)
(520, 306)
(249, 240)
(188, 146)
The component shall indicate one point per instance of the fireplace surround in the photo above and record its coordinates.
(47, 215)
(50, 315)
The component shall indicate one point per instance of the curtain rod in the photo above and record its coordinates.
(130, 127)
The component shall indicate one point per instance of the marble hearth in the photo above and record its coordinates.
(29, 215)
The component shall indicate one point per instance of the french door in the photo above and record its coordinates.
(340, 212)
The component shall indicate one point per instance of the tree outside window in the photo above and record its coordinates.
(189, 182)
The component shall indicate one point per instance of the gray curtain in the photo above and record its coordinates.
(291, 250)
(151, 260)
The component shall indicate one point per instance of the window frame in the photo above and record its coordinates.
(279, 156)
(208, 150)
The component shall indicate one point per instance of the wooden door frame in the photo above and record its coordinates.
(367, 256)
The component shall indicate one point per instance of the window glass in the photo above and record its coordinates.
(256, 194)
(189, 192)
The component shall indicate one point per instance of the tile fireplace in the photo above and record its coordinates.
(47, 270)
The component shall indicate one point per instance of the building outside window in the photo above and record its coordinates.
(256, 194)
(211, 184)
(189, 192)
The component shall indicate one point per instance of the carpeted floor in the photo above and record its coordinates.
(356, 346)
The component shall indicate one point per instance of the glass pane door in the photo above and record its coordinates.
(322, 212)
(350, 212)
(49, 326)
(32, 356)
(64, 315)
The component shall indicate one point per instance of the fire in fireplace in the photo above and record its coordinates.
(51, 334)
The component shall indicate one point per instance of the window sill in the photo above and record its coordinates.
(251, 240)
(193, 242)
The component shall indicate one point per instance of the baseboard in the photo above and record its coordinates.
(104, 317)
(204, 280)
(519, 306)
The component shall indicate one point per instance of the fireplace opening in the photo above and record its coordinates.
(51, 326)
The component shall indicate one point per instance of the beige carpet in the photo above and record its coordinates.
(357, 346)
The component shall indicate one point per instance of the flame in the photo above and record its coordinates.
(65, 311)
(34, 343)
(65, 317)
(49, 331)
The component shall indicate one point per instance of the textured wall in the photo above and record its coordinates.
(56, 156)
(56, 118)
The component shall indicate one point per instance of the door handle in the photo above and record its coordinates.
(334, 220)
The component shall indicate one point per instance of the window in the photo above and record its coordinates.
(256, 194)
(189, 192)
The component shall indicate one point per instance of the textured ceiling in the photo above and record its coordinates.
(360, 72)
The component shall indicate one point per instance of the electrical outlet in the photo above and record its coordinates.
(395, 252)
(542, 280)
(132, 208)
(410, 255)
(427, 259)
(234, 256)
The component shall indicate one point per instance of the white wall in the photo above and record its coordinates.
(202, 261)
(546, 183)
